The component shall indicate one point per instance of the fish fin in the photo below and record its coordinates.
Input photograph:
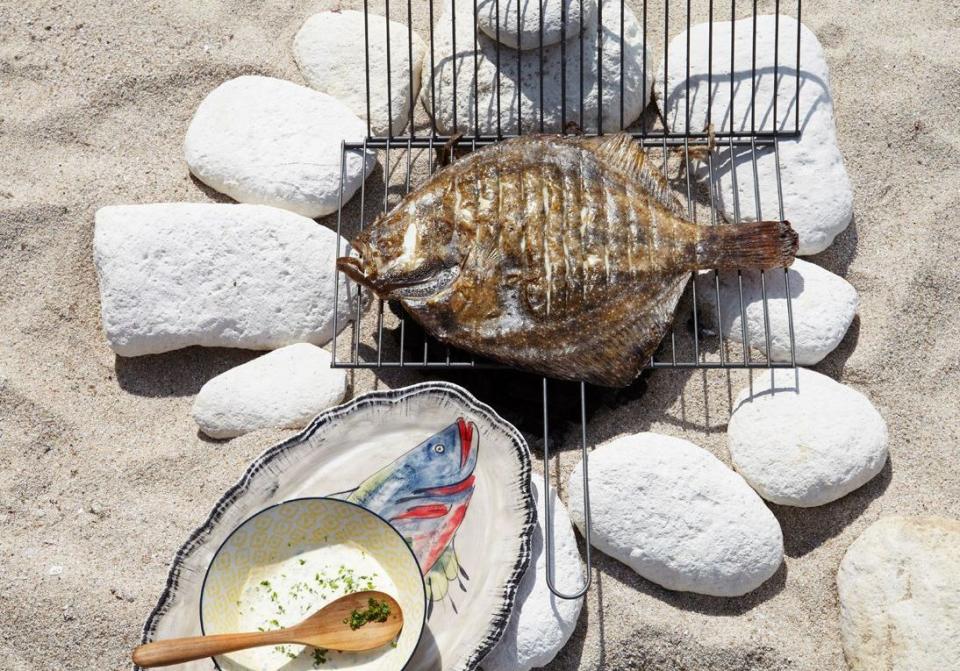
(622, 152)
(755, 245)
(611, 352)
(438, 578)
(437, 584)
(363, 491)
(345, 494)
(450, 562)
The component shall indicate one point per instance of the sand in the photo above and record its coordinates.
(102, 471)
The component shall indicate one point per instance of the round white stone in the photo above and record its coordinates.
(561, 18)
(284, 389)
(823, 307)
(476, 98)
(899, 586)
(329, 48)
(267, 141)
(542, 623)
(174, 275)
(801, 439)
(817, 197)
(676, 515)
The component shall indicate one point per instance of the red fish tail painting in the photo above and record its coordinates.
(425, 494)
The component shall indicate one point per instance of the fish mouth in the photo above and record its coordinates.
(352, 267)
(469, 442)
(433, 283)
(427, 281)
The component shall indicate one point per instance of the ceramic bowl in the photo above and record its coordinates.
(288, 530)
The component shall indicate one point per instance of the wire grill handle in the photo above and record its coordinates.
(548, 508)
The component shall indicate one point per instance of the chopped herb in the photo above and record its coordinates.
(319, 657)
(302, 562)
(377, 611)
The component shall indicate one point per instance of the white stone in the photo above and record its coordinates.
(284, 389)
(523, 31)
(676, 515)
(542, 623)
(801, 439)
(822, 304)
(174, 275)
(329, 48)
(817, 197)
(635, 90)
(267, 141)
(899, 586)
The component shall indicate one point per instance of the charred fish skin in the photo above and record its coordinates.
(561, 255)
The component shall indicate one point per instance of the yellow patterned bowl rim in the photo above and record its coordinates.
(419, 623)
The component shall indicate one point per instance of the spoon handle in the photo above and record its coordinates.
(177, 650)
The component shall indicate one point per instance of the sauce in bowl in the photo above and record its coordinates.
(282, 594)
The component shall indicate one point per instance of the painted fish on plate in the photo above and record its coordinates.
(424, 494)
(561, 255)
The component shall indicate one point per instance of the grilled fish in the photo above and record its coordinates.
(561, 255)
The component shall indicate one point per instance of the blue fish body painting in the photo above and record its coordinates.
(424, 494)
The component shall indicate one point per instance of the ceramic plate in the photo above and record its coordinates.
(448, 473)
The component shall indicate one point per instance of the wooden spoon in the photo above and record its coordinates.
(328, 628)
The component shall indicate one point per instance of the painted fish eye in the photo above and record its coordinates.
(438, 448)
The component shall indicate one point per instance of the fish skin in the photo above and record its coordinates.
(425, 493)
(561, 255)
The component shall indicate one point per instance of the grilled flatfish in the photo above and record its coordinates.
(564, 256)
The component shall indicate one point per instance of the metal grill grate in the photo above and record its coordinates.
(394, 341)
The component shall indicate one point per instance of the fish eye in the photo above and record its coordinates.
(438, 448)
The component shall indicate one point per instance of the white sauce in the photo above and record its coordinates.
(282, 594)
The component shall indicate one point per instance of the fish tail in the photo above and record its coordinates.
(756, 245)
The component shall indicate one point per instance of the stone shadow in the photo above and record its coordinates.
(806, 529)
(210, 192)
(834, 363)
(838, 257)
(698, 603)
(178, 373)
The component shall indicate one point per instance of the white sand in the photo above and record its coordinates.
(102, 471)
